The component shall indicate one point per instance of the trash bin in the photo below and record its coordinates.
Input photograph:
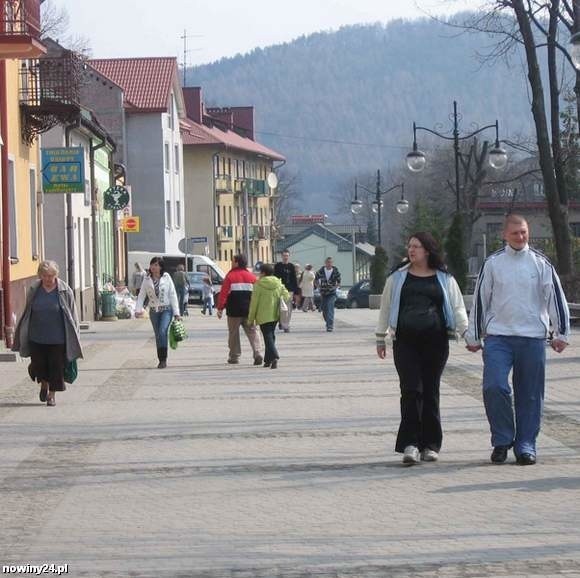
(108, 306)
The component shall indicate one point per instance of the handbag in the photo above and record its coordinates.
(71, 371)
(284, 314)
(177, 333)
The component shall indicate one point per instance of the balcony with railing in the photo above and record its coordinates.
(223, 184)
(20, 29)
(50, 92)
(253, 187)
(225, 233)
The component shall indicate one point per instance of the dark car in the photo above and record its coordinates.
(195, 286)
(358, 294)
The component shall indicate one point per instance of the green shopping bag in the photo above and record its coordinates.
(177, 333)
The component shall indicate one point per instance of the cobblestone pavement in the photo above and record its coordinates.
(210, 470)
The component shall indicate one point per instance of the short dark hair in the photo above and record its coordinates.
(160, 262)
(435, 259)
(285, 251)
(241, 261)
(267, 269)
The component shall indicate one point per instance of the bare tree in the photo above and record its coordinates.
(55, 23)
(287, 198)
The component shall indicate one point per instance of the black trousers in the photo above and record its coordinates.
(420, 364)
(47, 364)
(269, 332)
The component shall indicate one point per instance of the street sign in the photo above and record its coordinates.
(131, 224)
(187, 244)
(63, 170)
(116, 198)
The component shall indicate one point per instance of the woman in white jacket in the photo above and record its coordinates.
(421, 308)
(163, 305)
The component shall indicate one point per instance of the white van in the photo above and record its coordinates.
(199, 263)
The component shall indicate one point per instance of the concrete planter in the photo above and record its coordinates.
(374, 301)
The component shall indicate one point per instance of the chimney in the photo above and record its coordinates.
(244, 120)
(193, 103)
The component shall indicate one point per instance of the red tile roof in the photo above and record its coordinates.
(146, 81)
(193, 133)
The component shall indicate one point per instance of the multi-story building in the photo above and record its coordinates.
(154, 106)
(21, 224)
(227, 190)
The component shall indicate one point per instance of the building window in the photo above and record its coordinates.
(168, 220)
(12, 200)
(33, 214)
(178, 214)
(575, 228)
(176, 161)
(216, 166)
(167, 162)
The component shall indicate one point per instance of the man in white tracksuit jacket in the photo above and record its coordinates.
(517, 296)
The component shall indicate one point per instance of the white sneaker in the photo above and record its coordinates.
(428, 455)
(411, 455)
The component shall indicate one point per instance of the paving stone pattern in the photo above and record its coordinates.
(211, 470)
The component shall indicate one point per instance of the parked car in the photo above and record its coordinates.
(358, 294)
(195, 286)
(341, 299)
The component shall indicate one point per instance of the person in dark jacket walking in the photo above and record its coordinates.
(328, 281)
(235, 296)
(286, 272)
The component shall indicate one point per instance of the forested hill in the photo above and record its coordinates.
(365, 84)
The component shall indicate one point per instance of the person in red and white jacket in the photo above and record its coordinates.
(235, 296)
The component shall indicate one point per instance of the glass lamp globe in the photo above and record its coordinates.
(376, 206)
(416, 161)
(498, 157)
(402, 206)
(574, 50)
(356, 206)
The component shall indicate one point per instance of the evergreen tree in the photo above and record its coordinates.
(378, 270)
(454, 248)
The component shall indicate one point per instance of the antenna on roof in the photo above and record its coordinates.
(186, 51)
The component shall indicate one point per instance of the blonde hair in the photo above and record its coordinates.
(514, 219)
(50, 267)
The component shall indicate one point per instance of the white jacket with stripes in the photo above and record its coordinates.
(518, 293)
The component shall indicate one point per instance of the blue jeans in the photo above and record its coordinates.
(527, 357)
(182, 299)
(161, 321)
(207, 305)
(269, 333)
(327, 306)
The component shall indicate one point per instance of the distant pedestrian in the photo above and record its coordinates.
(297, 302)
(328, 282)
(158, 287)
(421, 308)
(137, 279)
(265, 310)
(181, 283)
(235, 296)
(207, 296)
(517, 295)
(48, 331)
(307, 288)
(286, 272)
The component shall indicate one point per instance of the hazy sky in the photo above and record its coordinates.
(118, 28)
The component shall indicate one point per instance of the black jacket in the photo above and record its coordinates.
(327, 287)
(287, 274)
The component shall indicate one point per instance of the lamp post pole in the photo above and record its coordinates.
(378, 205)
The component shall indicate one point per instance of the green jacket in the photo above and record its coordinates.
(265, 303)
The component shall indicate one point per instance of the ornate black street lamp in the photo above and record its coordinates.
(356, 205)
(416, 160)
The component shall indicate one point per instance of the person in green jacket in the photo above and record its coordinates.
(265, 310)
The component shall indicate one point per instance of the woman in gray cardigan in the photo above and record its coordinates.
(48, 331)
